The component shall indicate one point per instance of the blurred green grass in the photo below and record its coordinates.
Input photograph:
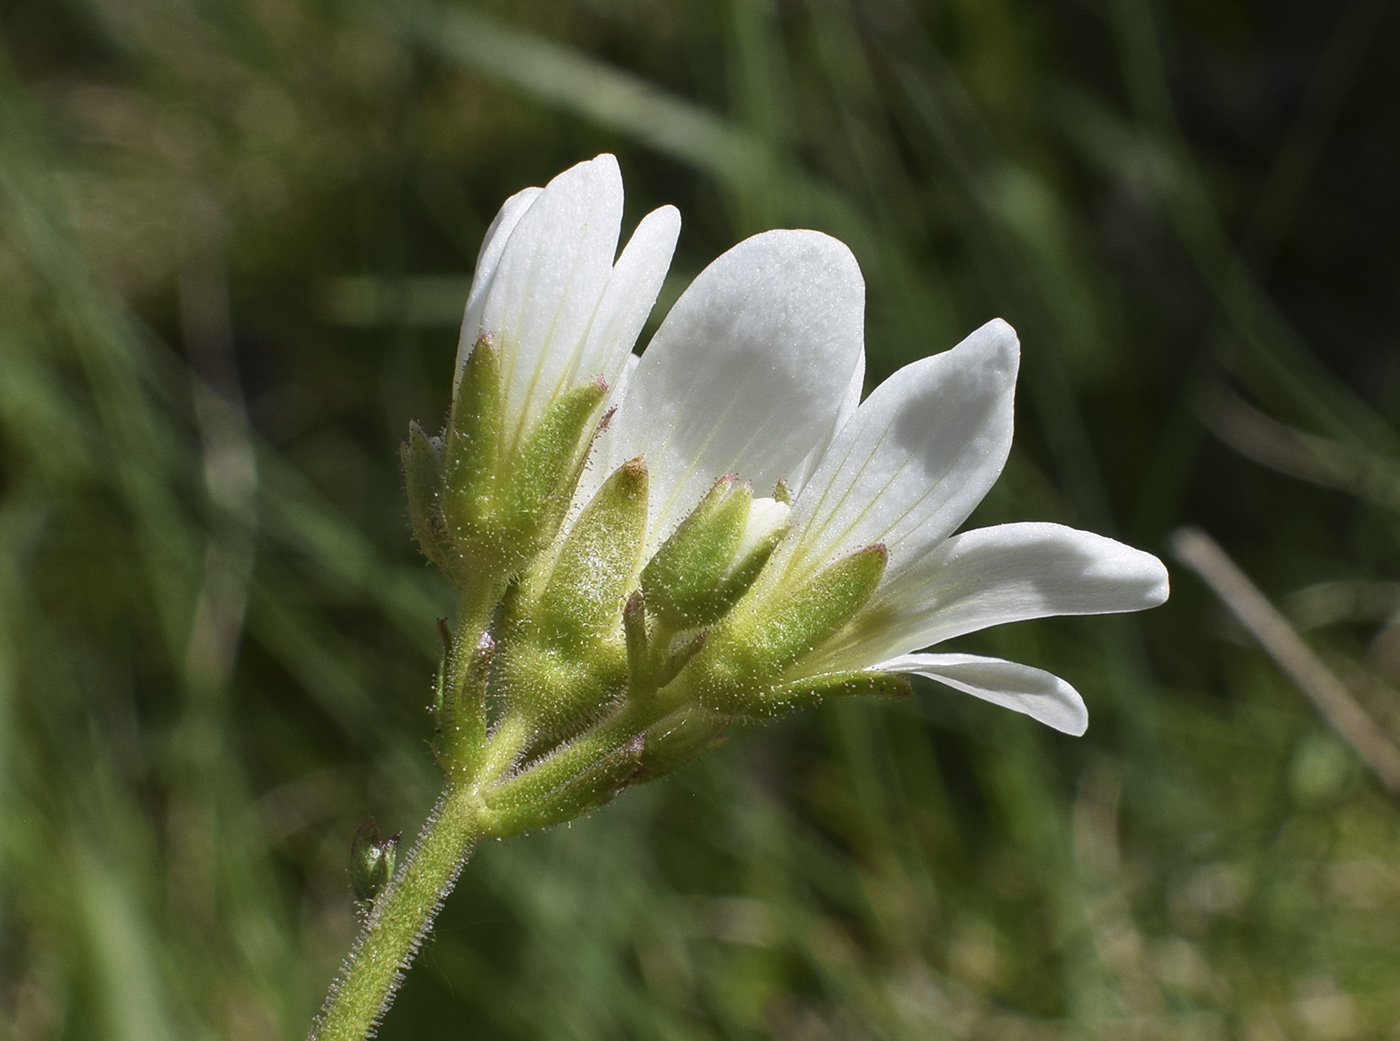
(231, 236)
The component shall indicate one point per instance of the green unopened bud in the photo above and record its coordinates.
(371, 862)
(713, 557)
(568, 654)
(748, 656)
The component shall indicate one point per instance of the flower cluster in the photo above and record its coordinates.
(651, 548)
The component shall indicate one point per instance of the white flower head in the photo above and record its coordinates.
(746, 534)
(757, 372)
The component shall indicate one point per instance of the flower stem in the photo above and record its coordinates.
(404, 911)
(401, 918)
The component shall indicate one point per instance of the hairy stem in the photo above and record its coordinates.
(404, 911)
(400, 919)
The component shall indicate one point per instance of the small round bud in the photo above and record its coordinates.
(371, 862)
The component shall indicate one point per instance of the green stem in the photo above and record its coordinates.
(401, 918)
(404, 912)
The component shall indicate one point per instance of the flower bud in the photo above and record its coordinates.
(371, 861)
(713, 557)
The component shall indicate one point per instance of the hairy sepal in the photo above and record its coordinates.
(537, 798)
(501, 503)
(551, 459)
(768, 637)
(783, 697)
(699, 573)
(423, 478)
(567, 655)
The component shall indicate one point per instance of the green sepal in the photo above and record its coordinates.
(537, 798)
(783, 697)
(694, 578)
(547, 469)
(596, 567)
(460, 705)
(784, 628)
(689, 563)
(474, 472)
(472, 453)
(503, 502)
(567, 656)
(737, 670)
(371, 862)
(559, 695)
(423, 477)
(679, 739)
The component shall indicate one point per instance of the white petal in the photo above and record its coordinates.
(853, 392)
(493, 244)
(548, 284)
(799, 478)
(624, 380)
(916, 457)
(1033, 692)
(766, 517)
(747, 373)
(602, 461)
(629, 297)
(1007, 573)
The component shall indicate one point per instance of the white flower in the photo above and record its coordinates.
(547, 291)
(755, 376)
(757, 372)
(549, 326)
